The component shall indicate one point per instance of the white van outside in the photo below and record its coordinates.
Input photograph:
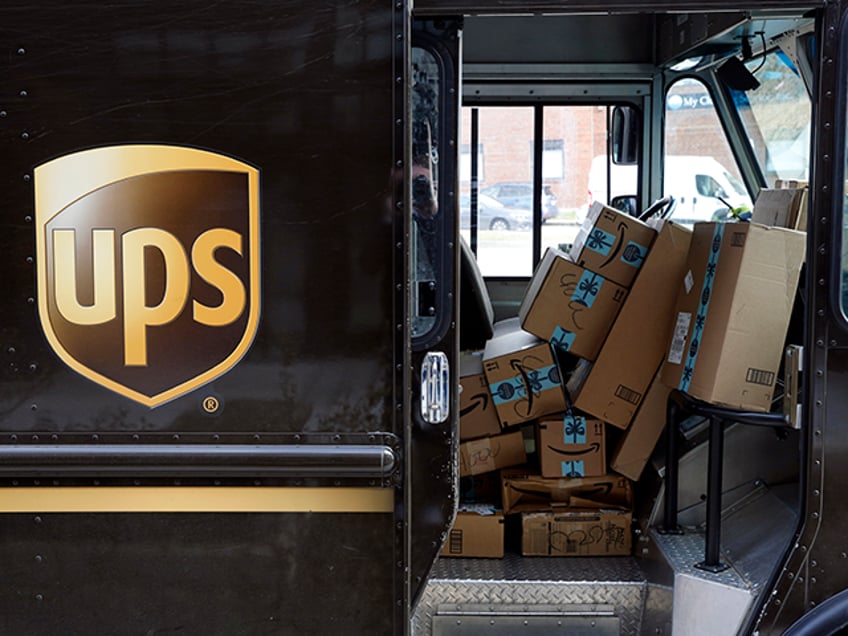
(701, 186)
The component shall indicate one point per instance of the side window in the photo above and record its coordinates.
(699, 169)
(499, 222)
(707, 186)
(502, 220)
(426, 226)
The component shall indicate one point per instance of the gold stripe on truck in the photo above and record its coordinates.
(199, 499)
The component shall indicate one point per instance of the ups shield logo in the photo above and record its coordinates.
(148, 266)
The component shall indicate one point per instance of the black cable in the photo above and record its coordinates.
(763, 63)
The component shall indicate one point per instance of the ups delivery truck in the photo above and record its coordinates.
(243, 244)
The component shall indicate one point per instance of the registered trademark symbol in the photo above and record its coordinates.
(211, 404)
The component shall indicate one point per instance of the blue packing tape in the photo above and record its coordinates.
(574, 429)
(514, 388)
(562, 338)
(588, 288)
(703, 306)
(573, 469)
(600, 241)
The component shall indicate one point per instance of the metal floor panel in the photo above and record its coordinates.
(517, 568)
(534, 581)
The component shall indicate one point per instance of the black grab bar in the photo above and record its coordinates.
(679, 407)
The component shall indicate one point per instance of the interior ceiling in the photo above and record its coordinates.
(662, 39)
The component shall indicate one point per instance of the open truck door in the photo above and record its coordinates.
(207, 372)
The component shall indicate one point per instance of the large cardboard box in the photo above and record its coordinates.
(477, 414)
(636, 445)
(612, 243)
(525, 489)
(569, 305)
(477, 531)
(491, 453)
(571, 446)
(576, 533)
(732, 313)
(634, 349)
(523, 376)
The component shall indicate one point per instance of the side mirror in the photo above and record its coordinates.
(626, 204)
(626, 135)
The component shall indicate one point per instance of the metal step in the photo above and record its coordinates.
(611, 591)
(575, 620)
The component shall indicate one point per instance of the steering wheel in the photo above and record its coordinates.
(661, 208)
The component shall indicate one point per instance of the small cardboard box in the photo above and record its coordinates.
(778, 207)
(733, 312)
(576, 533)
(571, 446)
(523, 376)
(569, 305)
(477, 414)
(634, 349)
(477, 531)
(612, 243)
(525, 489)
(491, 453)
(635, 447)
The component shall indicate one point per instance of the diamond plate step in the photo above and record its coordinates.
(531, 584)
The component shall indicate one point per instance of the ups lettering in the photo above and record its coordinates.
(138, 316)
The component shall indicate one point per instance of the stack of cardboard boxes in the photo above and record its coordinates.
(566, 403)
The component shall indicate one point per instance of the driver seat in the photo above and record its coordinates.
(476, 315)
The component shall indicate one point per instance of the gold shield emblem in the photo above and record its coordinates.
(148, 266)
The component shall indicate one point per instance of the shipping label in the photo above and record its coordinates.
(678, 341)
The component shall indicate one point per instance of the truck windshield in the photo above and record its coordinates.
(777, 116)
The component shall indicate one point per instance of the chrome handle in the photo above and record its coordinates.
(435, 388)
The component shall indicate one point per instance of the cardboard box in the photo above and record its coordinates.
(612, 244)
(477, 414)
(525, 490)
(636, 445)
(477, 531)
(614, 386)
(778, 207)
(569, 305)
(782, 184)
(800, 223)
(523, 376)
(491, 453)
(732, 313)
(576, 533)
(571, 446)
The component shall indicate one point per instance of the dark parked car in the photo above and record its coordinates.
(520, 195)
(493, 215)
